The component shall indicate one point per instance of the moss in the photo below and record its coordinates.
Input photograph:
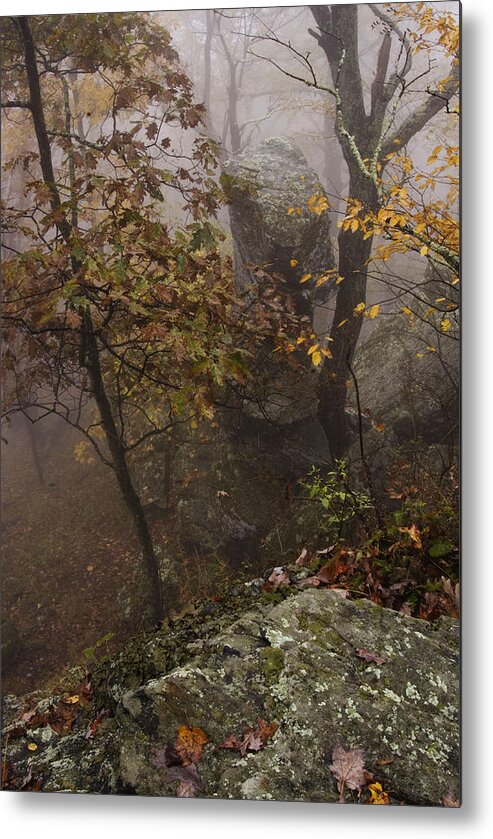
(273, 664)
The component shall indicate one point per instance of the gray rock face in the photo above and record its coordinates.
(263, 184)
(413, 389)
(241, 467)
(294, 663)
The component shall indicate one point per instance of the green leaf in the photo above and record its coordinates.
(440, 548)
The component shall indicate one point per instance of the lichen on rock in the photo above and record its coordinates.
(294, 663)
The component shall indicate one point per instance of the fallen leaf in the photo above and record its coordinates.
(413, 534)
(385, 761)
(378, 794)
(71, 700)
(279, 577)
(94, 725)
(252, 739)
(449, 800)
(332, 570)
(189, 743)
(221, 493)
(369, 656)
(89, 568)
(32, 747)
(342, 592)
(348, 767)
(302, 557)
(189, 780)
(308, 581)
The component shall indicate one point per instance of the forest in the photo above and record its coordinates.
(230, 402)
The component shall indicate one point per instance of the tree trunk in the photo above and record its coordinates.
(361, 138)
(89, 345)
(122, 471)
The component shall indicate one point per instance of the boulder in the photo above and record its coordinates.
(269, 190)
(324, 669)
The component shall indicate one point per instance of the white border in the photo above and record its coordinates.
(64, 816)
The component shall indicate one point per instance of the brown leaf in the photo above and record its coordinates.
(332, 570)
(303, 558)
(308, 581)
(349, 769)
(252, 740)
(189, 780)
(449, 800)
(94, 725)
(279, 577)
(369, 656)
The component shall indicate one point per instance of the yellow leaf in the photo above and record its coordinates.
(424, 250)
(354, 225)
(305, 278)
(312, 349)
(373, 311)
(342, 323)
(293, 262)
(407, 312)
(71, 700)
(300, 340)
(32, 747)
(378, 794)
(445, 325)
(316, 358)
(359, 309)
(327, 353)
(339, 280)
(294, 211)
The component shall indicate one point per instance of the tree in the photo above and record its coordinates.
(368, 141)
(106, 302)
(370, 137)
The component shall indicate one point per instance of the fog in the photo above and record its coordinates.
(70, 542)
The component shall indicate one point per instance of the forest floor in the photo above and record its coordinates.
(67, 547)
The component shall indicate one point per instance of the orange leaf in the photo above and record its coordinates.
(189, 743)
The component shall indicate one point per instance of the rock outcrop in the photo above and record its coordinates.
(231, 477)
(269, 189)
(293, 658)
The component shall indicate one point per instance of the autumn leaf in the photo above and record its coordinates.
(279, 577)
(373, 311)
(189, 743)
(293, 263)
(358, 309)
(303, 558)
(32, 747)
(316, 358)
(329, 572)
(348, 767)
(369, 656)
(71, 700)
(189, 780)
(308, 581)
(305, 278)
(377, 794)
(449, 800)
(413, 534)
(252, 739)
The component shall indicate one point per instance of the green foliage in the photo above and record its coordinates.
(332, 491)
